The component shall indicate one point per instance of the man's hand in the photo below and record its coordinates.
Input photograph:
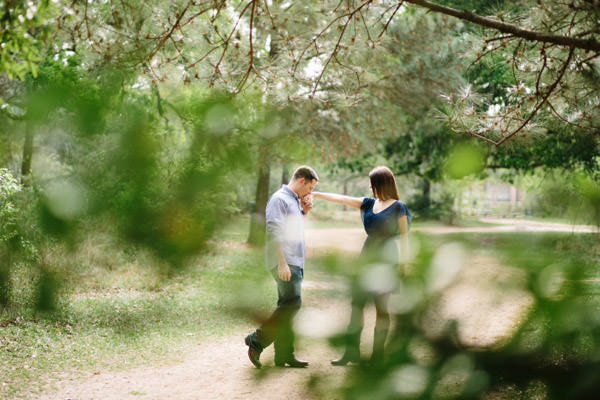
(283, 270)
(307, 203)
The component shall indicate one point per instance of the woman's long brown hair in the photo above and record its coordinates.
(383, 183)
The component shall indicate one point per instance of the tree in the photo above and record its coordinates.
(24, 26)
(552, 48)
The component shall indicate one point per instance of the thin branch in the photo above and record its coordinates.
(168, 35)
(362, 18)
(514, 59)
(269, 14)
(177, 48)
(590, 58)
(544, 100)
(355, 72)
(387, 24)
(544, 64)
(251, 66)
(485, 53)
(338, 6)
(563, 118)
(486, 139)
(226, 41)
(194, 16)
(87, 25)
(333, 53)
(349, 14)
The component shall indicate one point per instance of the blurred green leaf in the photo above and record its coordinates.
(465, 159)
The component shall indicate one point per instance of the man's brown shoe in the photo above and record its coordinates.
(253, 354)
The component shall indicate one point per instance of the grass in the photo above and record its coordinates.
(558, 220)
(128, 313)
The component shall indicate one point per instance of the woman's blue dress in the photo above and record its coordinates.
(382, 230)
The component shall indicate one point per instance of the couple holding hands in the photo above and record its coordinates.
(385, 219)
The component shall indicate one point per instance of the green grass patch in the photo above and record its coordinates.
(118, 323)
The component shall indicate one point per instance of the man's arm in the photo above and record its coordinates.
(275, 217)
(283, 269)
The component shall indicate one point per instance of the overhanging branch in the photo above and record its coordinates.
(545, 37)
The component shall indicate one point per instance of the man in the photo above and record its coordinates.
(285, 255)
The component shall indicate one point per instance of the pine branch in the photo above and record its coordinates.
(545, 37)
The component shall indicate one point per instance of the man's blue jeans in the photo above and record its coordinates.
(278, 328)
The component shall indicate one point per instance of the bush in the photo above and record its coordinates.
(441, 209)
(575, 196)
(8, 187)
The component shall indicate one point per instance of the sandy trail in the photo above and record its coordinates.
(219, 370)
(474, 296)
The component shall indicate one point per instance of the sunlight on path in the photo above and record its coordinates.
(487, 300)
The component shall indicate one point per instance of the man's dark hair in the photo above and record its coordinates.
(305, 172)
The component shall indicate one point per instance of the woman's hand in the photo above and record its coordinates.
(307, 203)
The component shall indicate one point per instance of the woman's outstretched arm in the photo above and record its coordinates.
(349, 201)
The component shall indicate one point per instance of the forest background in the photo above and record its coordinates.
(146, 126)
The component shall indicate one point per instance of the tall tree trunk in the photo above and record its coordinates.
(345, 192)
(285, 178)
(257, 219)
(5, 286)
(426, 193)
(27, 157)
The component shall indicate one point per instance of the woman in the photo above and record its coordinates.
(384, 217)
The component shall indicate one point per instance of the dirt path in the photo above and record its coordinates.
(221, 370)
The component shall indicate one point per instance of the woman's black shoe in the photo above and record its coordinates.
(345, 359)
(292, 361)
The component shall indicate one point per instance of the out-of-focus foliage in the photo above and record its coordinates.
(24, 25)
(465, 159)
(162, 167)
(452, 302)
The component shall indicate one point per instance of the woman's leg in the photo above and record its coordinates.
(354, 330)
(382, 326)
